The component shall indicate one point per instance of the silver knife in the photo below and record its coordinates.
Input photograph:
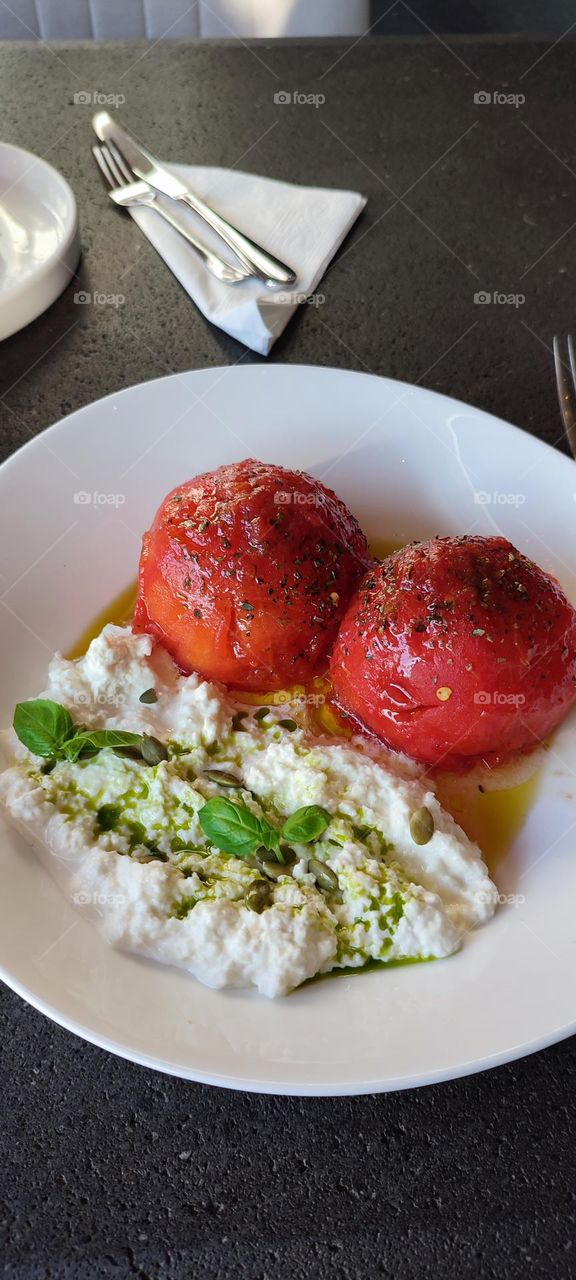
(144, 165)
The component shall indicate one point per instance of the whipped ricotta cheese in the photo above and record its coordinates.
(126, 840)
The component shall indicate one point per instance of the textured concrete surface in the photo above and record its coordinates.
(113, 1171)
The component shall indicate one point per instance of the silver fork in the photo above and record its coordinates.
(125, 192)
(565, 366)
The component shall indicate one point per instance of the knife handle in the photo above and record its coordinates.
(251, 255)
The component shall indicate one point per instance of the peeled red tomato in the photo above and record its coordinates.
(457, 648)
(246, 573)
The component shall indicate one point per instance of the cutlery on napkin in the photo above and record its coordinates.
(128, 150)
(305, 225)
(302, 225)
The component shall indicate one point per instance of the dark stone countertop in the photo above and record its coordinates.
(113, 1171)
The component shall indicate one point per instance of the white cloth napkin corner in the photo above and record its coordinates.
(302, 226)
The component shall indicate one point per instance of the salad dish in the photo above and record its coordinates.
(245, 777)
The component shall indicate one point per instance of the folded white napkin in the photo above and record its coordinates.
(302, 226)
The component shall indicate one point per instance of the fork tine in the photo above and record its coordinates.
(121, 165)
(113, 167)
(102, 162)
(572, 359)
(566, 387)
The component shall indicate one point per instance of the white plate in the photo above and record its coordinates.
(39, 245)
(410, 464)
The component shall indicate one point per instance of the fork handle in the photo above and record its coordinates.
(261, 263)
(216, 265)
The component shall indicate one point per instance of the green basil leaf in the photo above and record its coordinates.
(270, 839)
(42, 726)
(305, 825)
(90, 741)
(75, 747)
(233, 828)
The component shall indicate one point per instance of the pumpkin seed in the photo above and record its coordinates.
(149, 695)
(152, 751)
(237, 719)
(421, 825)
(222, 777)
(324, 876)
(288, 724)
(274, 870)
(261, 713)
(259, 896)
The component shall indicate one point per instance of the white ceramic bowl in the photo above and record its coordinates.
(410, 464)
(39, 243)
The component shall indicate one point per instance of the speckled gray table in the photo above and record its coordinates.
(113, 1171)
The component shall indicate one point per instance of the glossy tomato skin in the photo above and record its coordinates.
(246, 573)
(455, 649)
